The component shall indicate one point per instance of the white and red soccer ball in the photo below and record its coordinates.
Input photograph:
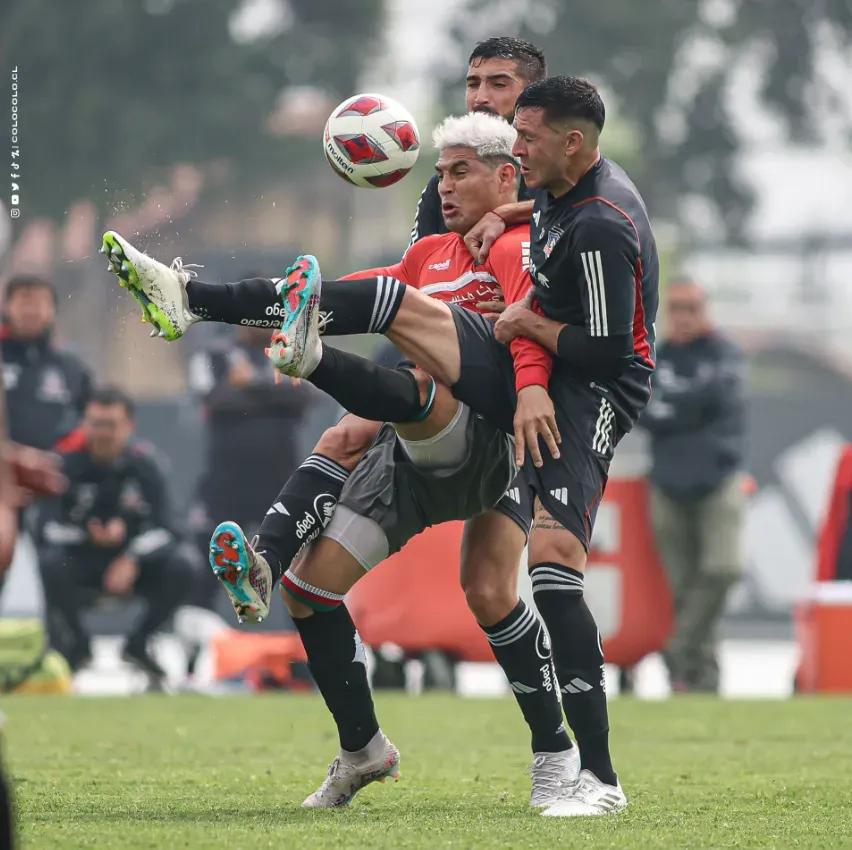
(371, 141)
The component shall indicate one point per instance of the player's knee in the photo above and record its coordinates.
(347, 441)
(297, 609)
(490, 600)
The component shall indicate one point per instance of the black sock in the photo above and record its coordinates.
(338, 665)
(254, 301)
(365, 306)
(368, 390)
(520, 646)
(578, 654)
(300, 511)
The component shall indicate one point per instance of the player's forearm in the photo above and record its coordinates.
(600, 357)
(519, 212)
(533, 363)
(539, 329)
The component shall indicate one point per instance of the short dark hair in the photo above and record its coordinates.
(563, 99)
(111, 395)
(28, 281)
(530, 59)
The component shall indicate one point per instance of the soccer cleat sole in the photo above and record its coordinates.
(128, 279)
(229, 561)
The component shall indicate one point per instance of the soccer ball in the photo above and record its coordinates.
(371, 141)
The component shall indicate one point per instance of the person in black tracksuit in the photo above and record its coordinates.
(696, 422)
(46, 387)
(110, 533)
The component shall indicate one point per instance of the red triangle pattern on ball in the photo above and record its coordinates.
(382, 180)
(360, 149)
(403, 134)
(362, 106)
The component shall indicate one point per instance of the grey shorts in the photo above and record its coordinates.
(388, 500)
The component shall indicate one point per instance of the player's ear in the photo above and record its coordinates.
(574, 141)
(507, 176)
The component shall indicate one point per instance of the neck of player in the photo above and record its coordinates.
(575, 170)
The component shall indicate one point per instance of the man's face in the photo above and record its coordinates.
(30, 312)
(493, 85)
(469, 188)
(686, 313)
(543, 151)
(107, 427)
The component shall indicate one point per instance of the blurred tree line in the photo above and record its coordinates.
(114, 93)
(675, 67)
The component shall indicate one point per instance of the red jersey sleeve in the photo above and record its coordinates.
(399, 271)
(509, 261)
(408, 269)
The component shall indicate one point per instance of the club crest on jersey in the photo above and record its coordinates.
(553, 237)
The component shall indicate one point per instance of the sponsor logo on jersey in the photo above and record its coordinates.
(440, 267)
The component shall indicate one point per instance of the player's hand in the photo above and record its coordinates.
(535, 417)
(510, 323)
(483, 235)
(34, 473)
(121, 576)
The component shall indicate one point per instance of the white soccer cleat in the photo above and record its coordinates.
(587, 797)
(345, 779)
(159, 289)
(552, 774)
(296, 348)
(244, 573)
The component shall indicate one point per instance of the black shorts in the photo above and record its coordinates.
(517, 504)
(570, 488)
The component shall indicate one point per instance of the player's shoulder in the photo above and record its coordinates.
(515, 242)
(425, 249)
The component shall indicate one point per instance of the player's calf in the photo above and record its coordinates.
(314, 589)
(557, 562)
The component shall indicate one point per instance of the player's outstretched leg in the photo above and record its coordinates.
(314, 589)
(244, 573)
(159, 289)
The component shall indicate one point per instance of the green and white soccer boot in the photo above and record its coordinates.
(296, 348)
(350, 772)
(159, 289)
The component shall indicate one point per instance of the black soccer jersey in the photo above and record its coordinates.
(594, 265)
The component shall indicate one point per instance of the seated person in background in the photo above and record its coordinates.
(109, 533)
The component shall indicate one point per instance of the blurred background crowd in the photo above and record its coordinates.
(732, 117)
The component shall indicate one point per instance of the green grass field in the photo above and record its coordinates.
(188, 771)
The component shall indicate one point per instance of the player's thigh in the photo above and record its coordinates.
(571, 487)
(423, 329)
(390, 497)
(486, 381)
(324, 567)
(557, 540)
(492, 548)
(720, 520)
(348, 440)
